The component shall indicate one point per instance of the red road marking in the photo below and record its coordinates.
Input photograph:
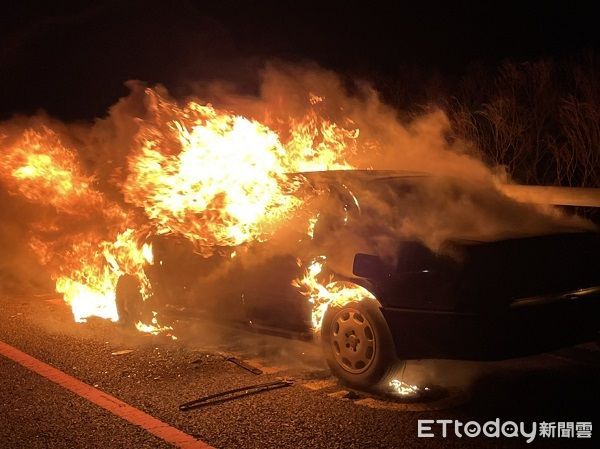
(106, 401)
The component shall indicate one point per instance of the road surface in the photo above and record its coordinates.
(152, 375)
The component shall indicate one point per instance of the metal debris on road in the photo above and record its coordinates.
(235, 393)
(244, 365)
(122, 352)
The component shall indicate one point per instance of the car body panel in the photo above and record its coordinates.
(558, 321)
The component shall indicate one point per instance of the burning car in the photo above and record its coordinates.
(372, 279)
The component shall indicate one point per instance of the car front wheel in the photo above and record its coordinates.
(357, 343)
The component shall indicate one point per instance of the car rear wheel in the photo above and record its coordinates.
(130, 305)
(357, 343)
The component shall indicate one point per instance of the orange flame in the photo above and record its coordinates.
(322, 293)
(220, 179)
(86, 265)
(39, 167)
(404, 389)
(217, 178)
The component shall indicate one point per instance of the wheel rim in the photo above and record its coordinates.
(353, 340)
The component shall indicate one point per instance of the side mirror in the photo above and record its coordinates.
(368, 266)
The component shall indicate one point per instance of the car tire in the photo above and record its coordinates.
(130, 305)
(357, 343)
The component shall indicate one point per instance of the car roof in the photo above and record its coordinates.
(349, 175)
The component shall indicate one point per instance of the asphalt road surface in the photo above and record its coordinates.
(155, 374)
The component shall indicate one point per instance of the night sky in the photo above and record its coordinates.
(72, 59)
